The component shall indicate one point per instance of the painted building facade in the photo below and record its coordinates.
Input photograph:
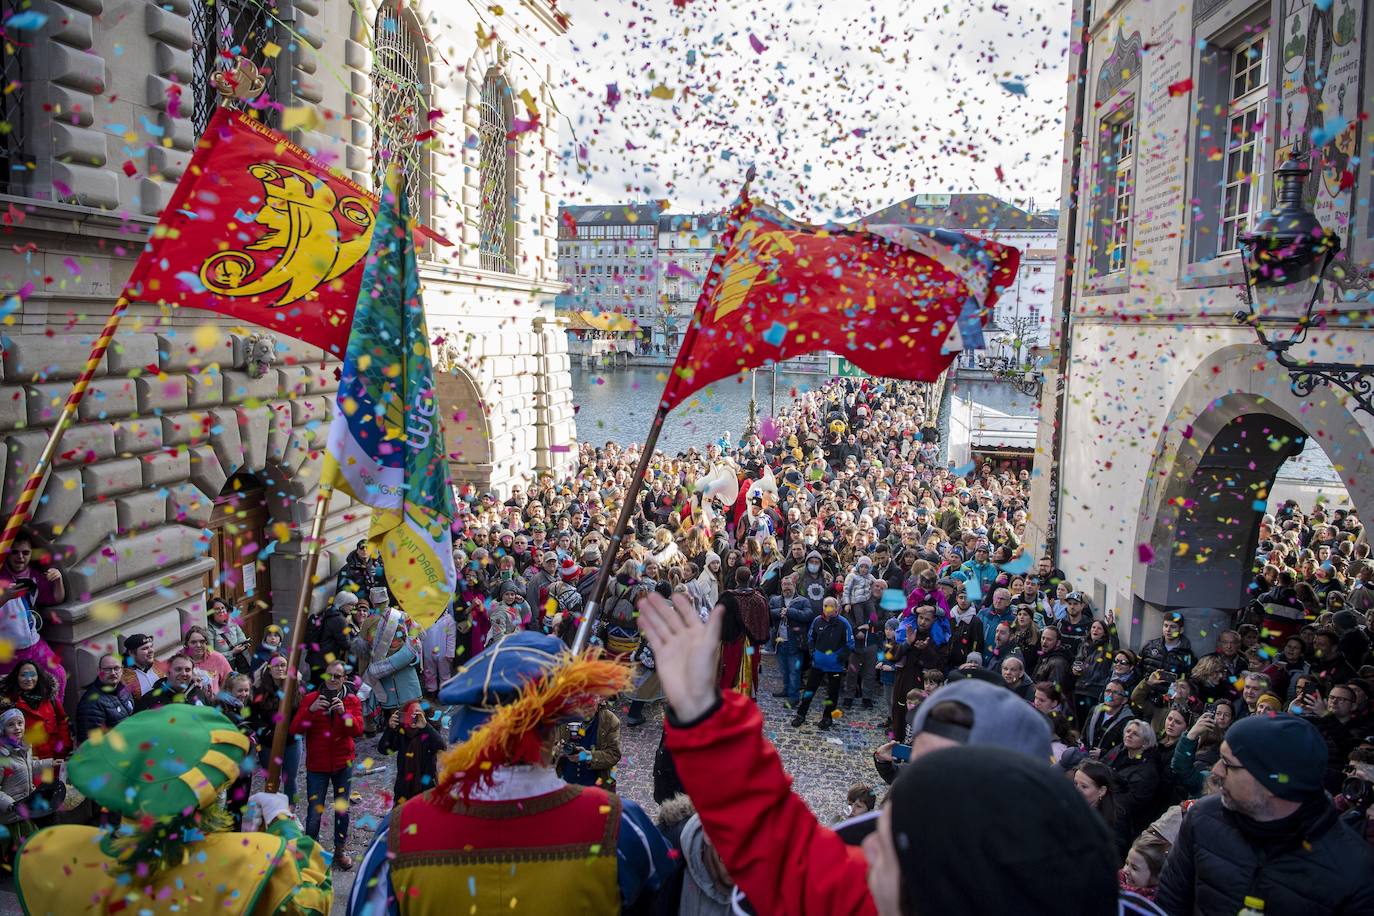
(193, 467)
(1164, 422)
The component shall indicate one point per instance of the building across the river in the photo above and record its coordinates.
(1020, 323)
(193, 466)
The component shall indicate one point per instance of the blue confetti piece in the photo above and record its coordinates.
(1021, 564)
(1329, 131)
(1258, 505)
(1015, 87)
(965, 470)
(776, 334)
(26, 21)
(191, 280)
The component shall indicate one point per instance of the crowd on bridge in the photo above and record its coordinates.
(834, 559)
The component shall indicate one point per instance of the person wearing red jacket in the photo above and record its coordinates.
(1046, 852)
(330, 718)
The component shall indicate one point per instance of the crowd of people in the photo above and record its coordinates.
(836, 550)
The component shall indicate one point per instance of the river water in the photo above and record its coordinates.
(617, 405)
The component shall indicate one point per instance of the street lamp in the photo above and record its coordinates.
(1289, 247)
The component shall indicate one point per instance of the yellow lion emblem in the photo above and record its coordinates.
(302, 216)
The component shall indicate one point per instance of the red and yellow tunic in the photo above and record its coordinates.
(452, 856)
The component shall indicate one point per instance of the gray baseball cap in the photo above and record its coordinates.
(1000, 719)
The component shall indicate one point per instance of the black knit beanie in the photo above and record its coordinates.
(982, 830)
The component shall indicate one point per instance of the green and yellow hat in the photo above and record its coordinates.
(160, 763)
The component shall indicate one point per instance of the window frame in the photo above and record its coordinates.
(495, 118)
(1253, 105)
(1101, 214)
(389, 57)
(1202, 265)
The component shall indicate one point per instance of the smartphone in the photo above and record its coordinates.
(901, 753)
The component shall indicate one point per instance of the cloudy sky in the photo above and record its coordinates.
(845, 106)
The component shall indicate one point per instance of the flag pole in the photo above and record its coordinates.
(288, 694)
(23, 509)
(627, 506)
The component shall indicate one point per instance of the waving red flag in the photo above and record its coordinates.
(889, 300)
(260, 230)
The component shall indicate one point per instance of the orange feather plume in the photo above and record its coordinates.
(515, 732)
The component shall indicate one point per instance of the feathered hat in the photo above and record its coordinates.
(509, 695)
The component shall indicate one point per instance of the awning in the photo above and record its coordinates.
(582, 320)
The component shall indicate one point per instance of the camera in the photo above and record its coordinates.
(1358, 793)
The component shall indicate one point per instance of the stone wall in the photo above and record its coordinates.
(173, 413)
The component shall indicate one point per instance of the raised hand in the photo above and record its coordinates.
(684, 651)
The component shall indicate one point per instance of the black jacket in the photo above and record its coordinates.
(102, 707)
(417, 752)
(1178, 661)
(162, 694)
(1137, 787)
(1320, 867)
(326, 639)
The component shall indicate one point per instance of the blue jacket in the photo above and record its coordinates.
(990, 619)
(794, 619)
(985, 573)
(830, 641)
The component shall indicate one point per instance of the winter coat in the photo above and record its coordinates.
(225, 638)
(328, 735)
(595, 745)
(1137, 785)
(162, 694)
(795, 621)
(102, 708)
(46, 728)
(417, 752)
(701, 896)
(19, 769)
(822, 874)
(830, 640)
(1096, 659)
(1178, 661)
(326, 639)
(1320, 867)
(439, 644)
(815, 587)
(858, 588)
(395, 677)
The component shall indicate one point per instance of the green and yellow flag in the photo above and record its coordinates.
(386, 443)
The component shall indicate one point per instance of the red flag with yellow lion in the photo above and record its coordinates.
(260, 230)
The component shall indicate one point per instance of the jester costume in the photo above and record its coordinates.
(501, 832)
(163, 770)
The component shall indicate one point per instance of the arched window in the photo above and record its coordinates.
(400, 91)
(497, 175)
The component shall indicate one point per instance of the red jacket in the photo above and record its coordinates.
(46, 728)
(328, 735)
(783, 859)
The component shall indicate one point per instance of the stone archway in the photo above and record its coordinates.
(467, 432)
(1232, 426)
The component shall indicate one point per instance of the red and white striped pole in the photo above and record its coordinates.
(23, 509)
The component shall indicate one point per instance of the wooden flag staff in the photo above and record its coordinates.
(627, 506)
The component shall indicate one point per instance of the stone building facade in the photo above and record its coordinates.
(1162, 435)
(194, 465)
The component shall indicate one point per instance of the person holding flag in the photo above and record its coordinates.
(386, 451)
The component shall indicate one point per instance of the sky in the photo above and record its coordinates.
(844, 106)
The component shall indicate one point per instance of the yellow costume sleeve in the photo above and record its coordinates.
(301, 884)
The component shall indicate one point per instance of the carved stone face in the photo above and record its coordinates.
(261, 353)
